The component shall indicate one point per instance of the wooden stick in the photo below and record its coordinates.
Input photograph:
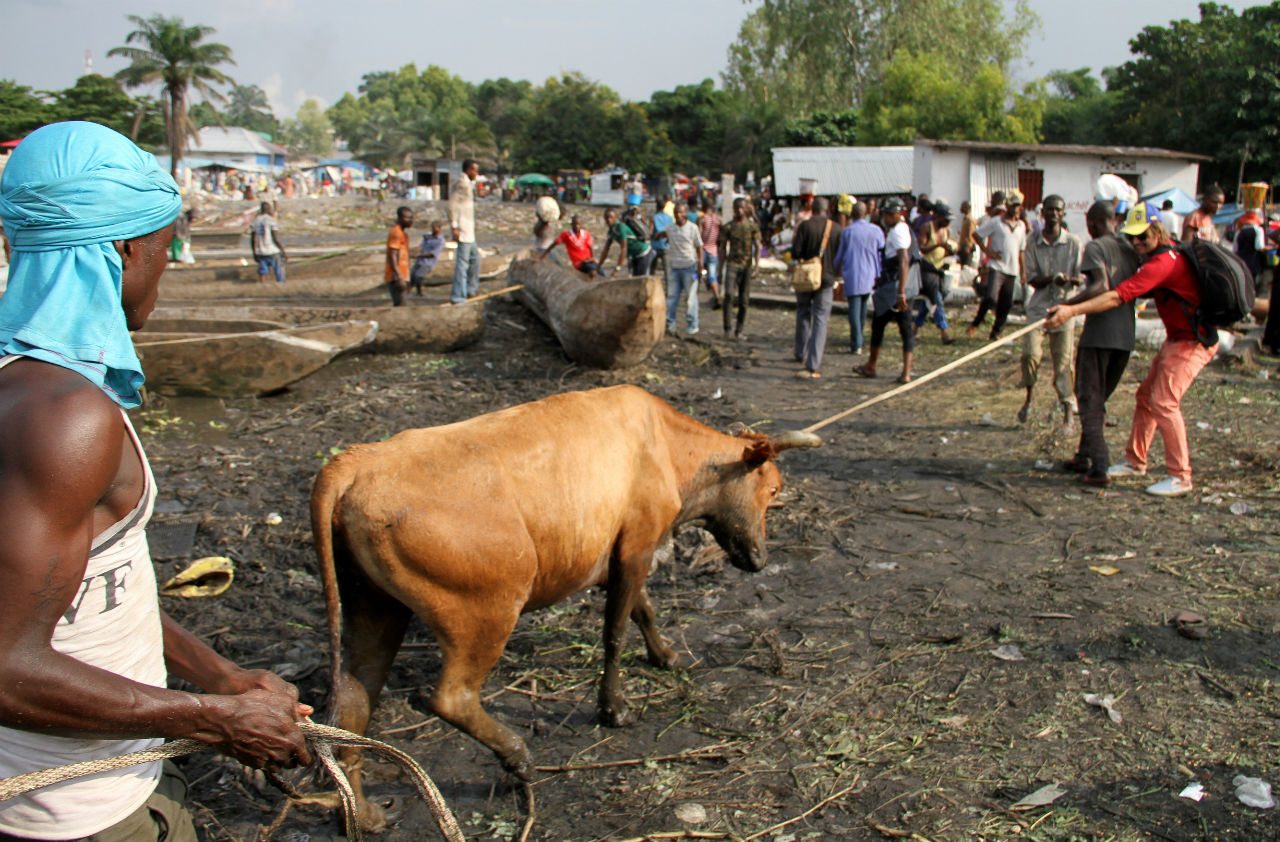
(497, 292)
(937, 372)
(816, 807)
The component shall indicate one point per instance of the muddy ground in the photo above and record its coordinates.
(849, 690)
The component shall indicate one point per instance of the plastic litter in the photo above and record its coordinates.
(1041, 797)
(1241, 508)
(1044, 465)
(1107, 703)
(1104, 569)
(691, 812)
(1253, 792)
(273, 519)
(1195, 792)
(1008, 652)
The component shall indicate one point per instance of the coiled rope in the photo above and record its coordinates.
(321, 738)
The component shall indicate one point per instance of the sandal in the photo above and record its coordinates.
(863, 371)
(1190, 625)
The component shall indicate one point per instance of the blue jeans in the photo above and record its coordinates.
(682, 280)
(939, 312)
(709, 262)
(271, 263)
(857, 320)
(466, 273)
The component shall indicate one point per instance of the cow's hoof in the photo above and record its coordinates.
(668, 660)
(619, 718)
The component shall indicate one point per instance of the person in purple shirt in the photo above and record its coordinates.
(858, 259)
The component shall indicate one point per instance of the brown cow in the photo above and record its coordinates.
(469, 525)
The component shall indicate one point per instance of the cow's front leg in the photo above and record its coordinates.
(642, 614)
(626, 584)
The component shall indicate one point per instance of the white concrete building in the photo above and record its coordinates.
(958, 169)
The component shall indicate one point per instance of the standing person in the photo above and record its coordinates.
(685, 250)
(662, 218)
(397, 268)
(85, 649)
(1167, 275)
(709, 228)
(428, 256)
(818, 237)
(1105, 343)
(968, 225)
(1053, 270)
(266, 245)
(462, 216)
(1251, 242)
(181, 244)
(634, 250)
(577, 243)
(1001, 239)
(894, 288)
(739, 254)
(1172, 222)
(934, 237)
(858, 260)
(1199, 223)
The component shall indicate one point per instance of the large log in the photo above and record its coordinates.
(603, 323)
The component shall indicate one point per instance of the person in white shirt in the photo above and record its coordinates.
(1002, 239)
(462, 215)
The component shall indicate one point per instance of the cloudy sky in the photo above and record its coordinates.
(295, 49)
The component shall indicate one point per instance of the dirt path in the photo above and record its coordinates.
(857, 665)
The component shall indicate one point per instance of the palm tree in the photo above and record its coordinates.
(171, 53)
(247, 106)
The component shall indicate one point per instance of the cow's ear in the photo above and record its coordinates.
(758, 452)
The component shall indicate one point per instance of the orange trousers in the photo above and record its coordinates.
(1159, 406)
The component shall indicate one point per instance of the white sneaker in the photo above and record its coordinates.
(1124, 469)
(1169, 487)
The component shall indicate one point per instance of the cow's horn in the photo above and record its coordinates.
(795, 438)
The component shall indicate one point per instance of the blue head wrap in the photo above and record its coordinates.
(68, 191)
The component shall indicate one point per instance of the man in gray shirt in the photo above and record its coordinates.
(1052, 264)
(1106, 342)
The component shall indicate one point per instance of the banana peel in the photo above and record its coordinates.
(208, 576)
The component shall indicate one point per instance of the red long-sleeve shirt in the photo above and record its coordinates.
(1172, 282)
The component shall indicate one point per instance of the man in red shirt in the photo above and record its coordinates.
(1169, 278)
(577, 242)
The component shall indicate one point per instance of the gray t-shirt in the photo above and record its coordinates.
(1046, 259)
(684, 240)
(1112, 329)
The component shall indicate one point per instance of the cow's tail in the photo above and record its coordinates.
(331, 483)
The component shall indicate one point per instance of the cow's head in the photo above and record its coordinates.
(746, 488)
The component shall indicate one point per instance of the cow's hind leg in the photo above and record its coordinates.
(468, 649)
(660, 652)
(373, 626)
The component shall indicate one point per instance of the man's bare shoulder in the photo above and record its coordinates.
(53, 416)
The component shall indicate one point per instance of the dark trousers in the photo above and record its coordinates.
(999, 294)
(737, 288)
(397, 293)
(903, 320)
(1098, 372)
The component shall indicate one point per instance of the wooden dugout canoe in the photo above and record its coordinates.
(241, 363)
(603, 323)
(417, 326)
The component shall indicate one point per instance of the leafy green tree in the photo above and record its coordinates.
(503, 104)
(247, 106)
(695, 118)
(404, 112)
(753, 129)
(21, 110)
(922, 95)
(1208, 86)
(177, 57)
(309, 133)
(1078, 110)
(822, 128)
(810, 55)
(203, 114)
(578, 122)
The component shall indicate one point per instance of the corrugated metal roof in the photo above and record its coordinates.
(857, 170)
(1066, 148)
(235, 140)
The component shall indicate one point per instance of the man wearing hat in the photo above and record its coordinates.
(1167, 275)
(1001, 239)
(85, 650)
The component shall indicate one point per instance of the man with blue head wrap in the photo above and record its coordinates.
(84, 647)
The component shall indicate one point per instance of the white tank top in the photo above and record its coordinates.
(114, 624)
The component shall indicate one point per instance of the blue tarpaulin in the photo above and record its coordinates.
(1182, 203)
